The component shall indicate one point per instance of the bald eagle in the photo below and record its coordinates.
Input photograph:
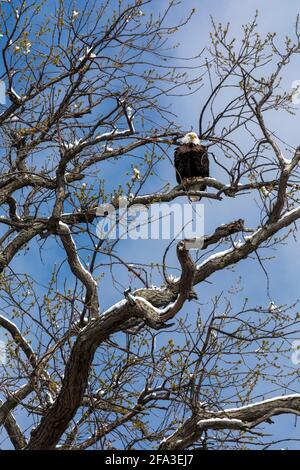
(191, 161)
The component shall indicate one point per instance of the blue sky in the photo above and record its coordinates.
(285, 269)
(274, 15)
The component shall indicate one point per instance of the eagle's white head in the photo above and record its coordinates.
(191, 138)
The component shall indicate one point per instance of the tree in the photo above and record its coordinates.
(89, 120)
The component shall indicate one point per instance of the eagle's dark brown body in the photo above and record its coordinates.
(191, 161)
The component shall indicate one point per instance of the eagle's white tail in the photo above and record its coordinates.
(195, 198)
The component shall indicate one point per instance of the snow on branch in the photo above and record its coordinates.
(242, 418)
